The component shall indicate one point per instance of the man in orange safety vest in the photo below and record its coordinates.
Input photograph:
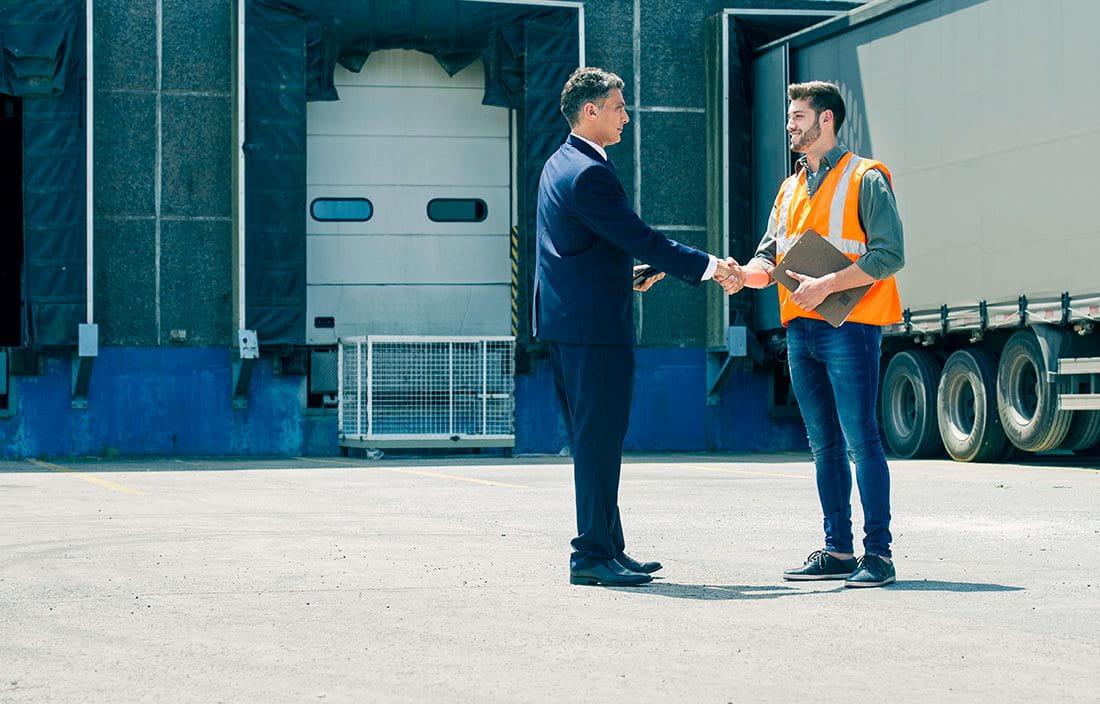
(848, 200)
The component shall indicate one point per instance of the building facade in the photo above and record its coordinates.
(224, 190)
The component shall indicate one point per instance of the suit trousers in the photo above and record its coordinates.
(595, 387)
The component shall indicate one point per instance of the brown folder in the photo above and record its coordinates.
(813, 255)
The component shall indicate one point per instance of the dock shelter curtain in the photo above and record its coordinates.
(292, 50)
(42, 61)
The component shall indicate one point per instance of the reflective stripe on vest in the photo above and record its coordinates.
(833, 212)
(836, 213)
(784, 205)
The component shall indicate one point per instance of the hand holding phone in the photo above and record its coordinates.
(641, 275)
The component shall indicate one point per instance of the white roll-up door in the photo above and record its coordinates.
(415, 153)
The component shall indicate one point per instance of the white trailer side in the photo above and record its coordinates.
(987, 114)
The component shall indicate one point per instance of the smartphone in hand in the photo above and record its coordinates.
(644, 274)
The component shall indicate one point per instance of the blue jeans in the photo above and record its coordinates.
(834, 375)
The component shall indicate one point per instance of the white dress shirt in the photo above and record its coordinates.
(589, 142)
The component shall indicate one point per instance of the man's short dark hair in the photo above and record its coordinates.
(586, 85)
(822, 96)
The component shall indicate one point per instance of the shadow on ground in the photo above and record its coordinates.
(725, 592)
(932, 585)
(719, 592)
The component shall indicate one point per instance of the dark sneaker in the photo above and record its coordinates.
(822, 565)
(873, 571)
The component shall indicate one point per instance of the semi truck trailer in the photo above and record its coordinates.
(987, 113)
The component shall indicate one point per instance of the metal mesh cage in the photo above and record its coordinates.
(399, 387)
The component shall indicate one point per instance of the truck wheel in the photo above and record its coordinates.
(1084, 431)
(1027, 403)
(907, 404)
(966, 405)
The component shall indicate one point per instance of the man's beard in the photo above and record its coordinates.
(807, 139)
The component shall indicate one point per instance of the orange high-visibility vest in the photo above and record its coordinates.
(833, 213)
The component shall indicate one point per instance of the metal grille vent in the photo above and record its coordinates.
(420, 390)
(324, 372)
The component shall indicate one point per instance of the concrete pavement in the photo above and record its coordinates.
(345, 580)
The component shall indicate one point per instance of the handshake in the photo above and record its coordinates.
(733, 277)
(730, 275)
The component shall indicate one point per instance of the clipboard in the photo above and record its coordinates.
(813, 255)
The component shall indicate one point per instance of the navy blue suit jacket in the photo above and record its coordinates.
(588, 238)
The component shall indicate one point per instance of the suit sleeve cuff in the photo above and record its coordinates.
(712, 265)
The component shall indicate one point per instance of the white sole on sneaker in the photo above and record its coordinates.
(883, 583)
(815, 577)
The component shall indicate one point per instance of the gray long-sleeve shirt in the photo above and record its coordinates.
(878, 214)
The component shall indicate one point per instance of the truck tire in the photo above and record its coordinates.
(907, 404)
(1084, 431)
(966, 405)
(1027, 403)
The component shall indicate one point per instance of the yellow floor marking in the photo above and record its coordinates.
(1044, 467)
(905, 468)
(746, 471)
(452, 476)
(107, 483)
(434, 475)
(327, 461)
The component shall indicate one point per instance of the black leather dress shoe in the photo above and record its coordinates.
(609, 574)
(634, 566)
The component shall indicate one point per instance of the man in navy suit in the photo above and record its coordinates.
(588, 238)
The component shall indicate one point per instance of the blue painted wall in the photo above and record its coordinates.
(669, 412)
(176, 401)
(161, 401)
